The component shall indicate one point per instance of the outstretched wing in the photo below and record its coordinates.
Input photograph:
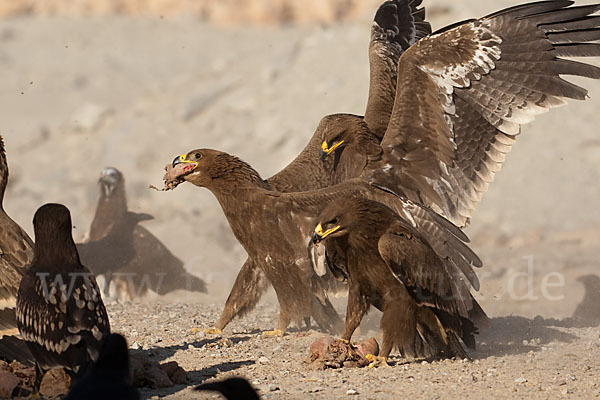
(398, 24)
(463, 94)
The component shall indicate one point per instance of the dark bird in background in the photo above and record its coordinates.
(16, 253)
(125, 252)
(108, 377)
(60, 313)
(274, 229)
(231, 389)
(397, 25)
(587, 312)
(461, 97)
(425, 299)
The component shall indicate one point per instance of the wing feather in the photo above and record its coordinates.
(463, 94)
(398, 24)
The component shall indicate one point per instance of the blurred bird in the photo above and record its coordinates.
(587, 312)
(125, 252)
(60, 313)
(16, 253)
(231, 389)
(107, 378)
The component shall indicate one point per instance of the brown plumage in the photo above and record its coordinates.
(60, 313)
(397, 25)
(125, 252)
(16, 252)
(462, 95)
(425, 300)
(274, 228)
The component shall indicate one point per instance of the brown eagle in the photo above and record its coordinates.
(126, 253)
(60, 313)
(389, 264)
(397, 25)
(462, 95)
(16, 252)
(274, 228)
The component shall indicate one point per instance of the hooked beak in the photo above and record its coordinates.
(319, 235)
(325, 150)
(182, 159)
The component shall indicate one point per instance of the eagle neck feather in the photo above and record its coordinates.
(228, 173)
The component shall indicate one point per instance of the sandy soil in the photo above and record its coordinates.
(77, 95)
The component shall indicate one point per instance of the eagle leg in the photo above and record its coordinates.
(247, 290)
(355, 311)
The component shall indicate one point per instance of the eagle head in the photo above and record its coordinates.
(110, 179)
(339, 131)
(209, 168)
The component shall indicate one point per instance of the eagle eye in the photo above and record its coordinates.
(197, 156)
(334, 221)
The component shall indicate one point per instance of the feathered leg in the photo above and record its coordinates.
(398, 324)
(355, 311)
(247, 290)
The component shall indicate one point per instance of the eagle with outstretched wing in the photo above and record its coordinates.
(462, 95)
(433, 156)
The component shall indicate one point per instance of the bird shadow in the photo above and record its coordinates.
(162, 353)
(196, 378)
(513, 335)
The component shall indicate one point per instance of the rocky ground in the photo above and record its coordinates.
(517, 357)
(79, 94)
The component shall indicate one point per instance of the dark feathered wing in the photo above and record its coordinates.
(430, 282)
(398, 24)
(463, 94)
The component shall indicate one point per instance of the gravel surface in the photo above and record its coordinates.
(516, 357)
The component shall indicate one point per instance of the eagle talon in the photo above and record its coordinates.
(273, 333)
(210, 331)
(377, 361)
